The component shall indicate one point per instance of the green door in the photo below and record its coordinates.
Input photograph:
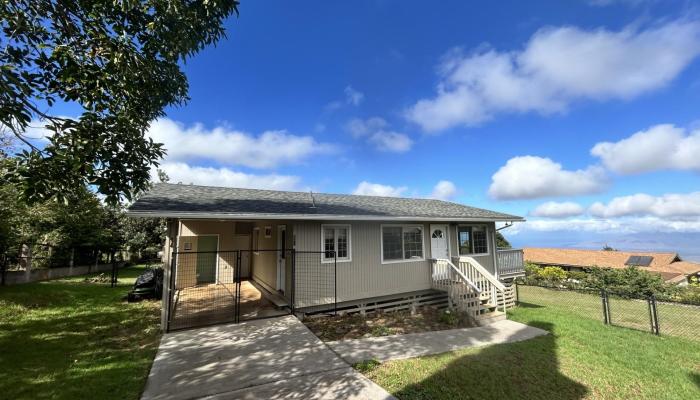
(206, 258)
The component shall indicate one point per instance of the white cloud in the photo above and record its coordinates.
(640, 204)
(552, 209)
(659, 147)
(605, 3)
(444, 190)
(231, 147)
(556, 67)
(375, 189)
(352, 96)
(622, 225)
(530, 177)
(391, 141)
(209, 176)
(358, 127)
(376, 131)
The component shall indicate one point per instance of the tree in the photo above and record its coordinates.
(608, 248)
(501, 241)
(117, 59)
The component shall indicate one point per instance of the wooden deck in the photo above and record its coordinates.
(215, 303)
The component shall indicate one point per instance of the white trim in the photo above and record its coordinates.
(381, 242)
(447, 237)
(311, 217)
(488, 244)
(337, 259)
(253, 241)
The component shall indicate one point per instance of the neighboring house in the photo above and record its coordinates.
(668, 265)
(306, 252)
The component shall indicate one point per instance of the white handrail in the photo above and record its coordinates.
(459, 273)
(484, 273)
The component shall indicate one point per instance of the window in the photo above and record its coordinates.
(472, 240)
(402, 242)
(256, 240)
(268, 232)
(335, 242)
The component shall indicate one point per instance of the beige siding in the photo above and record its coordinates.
(365, 276)
(265, 262)
(186, 274)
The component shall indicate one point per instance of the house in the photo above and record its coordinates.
(233, 254)
(668, 265)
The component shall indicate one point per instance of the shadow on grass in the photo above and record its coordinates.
(529, 305)
(520, 370)
(695, 377)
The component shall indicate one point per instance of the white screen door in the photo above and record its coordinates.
(438, 242)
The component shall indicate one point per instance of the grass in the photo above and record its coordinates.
(580, 359)
(68, 339)
(674, 319)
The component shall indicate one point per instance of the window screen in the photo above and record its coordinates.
(402, 243)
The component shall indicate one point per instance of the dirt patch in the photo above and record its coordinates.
(356, 326)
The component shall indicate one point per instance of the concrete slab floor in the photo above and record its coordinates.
(269, 358)
(396, 347)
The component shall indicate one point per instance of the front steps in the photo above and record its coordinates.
(489, 318)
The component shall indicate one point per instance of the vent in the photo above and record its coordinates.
(639, 261)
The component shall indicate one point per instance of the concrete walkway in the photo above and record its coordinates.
(396, 347)
(277, 358)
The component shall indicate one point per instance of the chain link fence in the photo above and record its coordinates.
(641, 313)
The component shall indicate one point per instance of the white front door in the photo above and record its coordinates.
(281, 256)
(438, 242)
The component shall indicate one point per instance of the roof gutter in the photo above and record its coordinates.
(316, 217)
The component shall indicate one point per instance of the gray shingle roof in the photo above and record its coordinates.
(177, 200)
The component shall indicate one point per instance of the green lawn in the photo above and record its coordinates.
(580, 359)
(67, 339)
(674, 319)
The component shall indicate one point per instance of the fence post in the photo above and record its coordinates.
(171, 289)
(653, 315)
(335, 283)
(606, 306)
(28, 264)
(3, 272)
(114, 269)
(237, 287)
(294, 288)
(517, 294)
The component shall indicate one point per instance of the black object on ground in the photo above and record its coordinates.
(148, 285)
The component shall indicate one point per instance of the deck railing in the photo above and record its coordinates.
(510, 263)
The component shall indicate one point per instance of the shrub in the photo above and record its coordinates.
(551, 275)
(630, 281)
(449, 317)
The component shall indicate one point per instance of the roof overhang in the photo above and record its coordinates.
(308, 217)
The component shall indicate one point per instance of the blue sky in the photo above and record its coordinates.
(522, 107)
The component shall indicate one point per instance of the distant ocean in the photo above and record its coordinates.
(687, 245)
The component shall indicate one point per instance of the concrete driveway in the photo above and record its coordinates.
(276, 358)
